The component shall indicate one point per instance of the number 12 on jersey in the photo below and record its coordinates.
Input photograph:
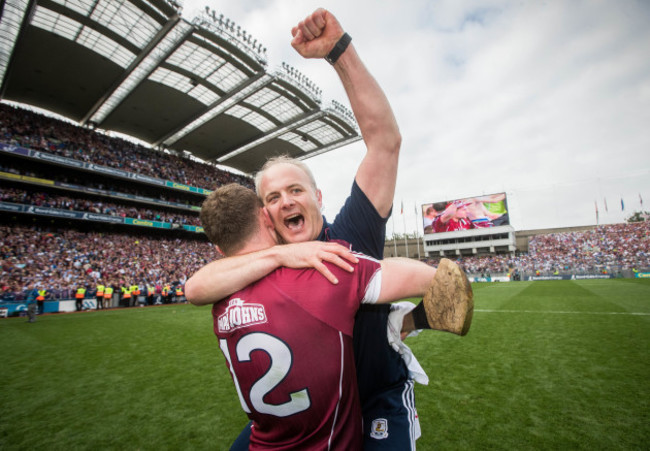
(280, 357)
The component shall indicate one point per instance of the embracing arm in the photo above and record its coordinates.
(221, 278)
(404, 278)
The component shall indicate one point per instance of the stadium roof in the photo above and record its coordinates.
(137, 67)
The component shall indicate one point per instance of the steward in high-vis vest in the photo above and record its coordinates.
(178, 292)
(100, 295)
(39, 300)
(126, 296)
(135, 292)
(167, 294)
(108, 296)
(79, 298)
(151, 291)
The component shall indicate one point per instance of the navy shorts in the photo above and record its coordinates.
(389, 418)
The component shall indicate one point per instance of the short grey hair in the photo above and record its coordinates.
(283, 159)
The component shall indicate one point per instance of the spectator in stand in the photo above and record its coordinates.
(28, 129)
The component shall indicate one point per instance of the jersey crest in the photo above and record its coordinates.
(240, 314)
(379, 429)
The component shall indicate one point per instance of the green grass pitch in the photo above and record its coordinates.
(546, 365)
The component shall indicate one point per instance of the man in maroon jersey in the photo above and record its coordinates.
(287, 338)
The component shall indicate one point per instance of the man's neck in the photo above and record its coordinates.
(322, 234)
(260, 241)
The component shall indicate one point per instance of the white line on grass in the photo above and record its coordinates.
(563, 313)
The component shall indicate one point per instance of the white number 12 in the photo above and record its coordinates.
(280, 364)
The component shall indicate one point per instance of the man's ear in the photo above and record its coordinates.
(319, 198)
(219, 250)
(268, 222)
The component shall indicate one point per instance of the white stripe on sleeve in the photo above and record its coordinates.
(373, 289)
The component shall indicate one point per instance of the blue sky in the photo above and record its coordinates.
(546, 101)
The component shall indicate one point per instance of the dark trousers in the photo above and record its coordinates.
(31, 312)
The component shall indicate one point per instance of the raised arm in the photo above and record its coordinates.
(315, 37)
(223, 277)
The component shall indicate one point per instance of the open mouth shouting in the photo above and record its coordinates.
(294, 222)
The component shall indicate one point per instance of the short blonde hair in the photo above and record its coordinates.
(283, 159)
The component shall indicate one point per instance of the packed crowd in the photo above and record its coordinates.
(27, 129)
(606, 248)
(61, 260)
(90, 181)
(51, 200)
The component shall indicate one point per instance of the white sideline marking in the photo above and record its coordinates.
(563, 313)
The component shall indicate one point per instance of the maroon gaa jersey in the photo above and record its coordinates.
(287, 340)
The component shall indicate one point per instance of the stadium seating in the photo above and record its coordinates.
(28, 129)
(609, 248)
(59, 260)
(52, 200)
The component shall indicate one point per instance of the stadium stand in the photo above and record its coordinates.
(21, 127)
(611, 249)
(60, 259)
(43, 199)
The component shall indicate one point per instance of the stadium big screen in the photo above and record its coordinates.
(463, 214)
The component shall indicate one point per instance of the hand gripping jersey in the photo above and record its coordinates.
(287, 340)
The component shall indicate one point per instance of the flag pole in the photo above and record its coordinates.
(405, 241)
(417, 232)
(394, 241)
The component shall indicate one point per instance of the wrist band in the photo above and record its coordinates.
(333, 56)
